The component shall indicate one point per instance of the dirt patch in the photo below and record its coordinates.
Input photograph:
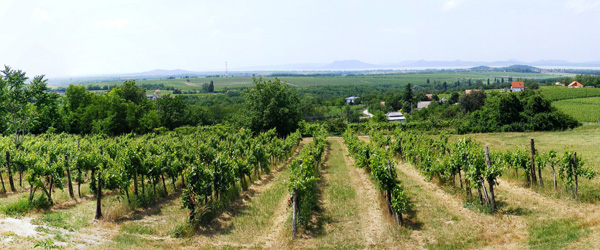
(189, 84)
(21, 227)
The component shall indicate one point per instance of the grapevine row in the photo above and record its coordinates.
(209, 162)
(304, 176)
(375, 158)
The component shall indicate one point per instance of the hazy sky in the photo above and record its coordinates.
(75, 37)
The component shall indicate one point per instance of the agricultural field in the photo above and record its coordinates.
(557, 93)
(374, 79)
(350, 210)
(582, 109)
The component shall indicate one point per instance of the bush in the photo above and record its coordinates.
(185, 230)
(512, 112)
(335, 127)
(17, 208)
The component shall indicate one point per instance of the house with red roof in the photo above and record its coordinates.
(575, 84)
(517, 86)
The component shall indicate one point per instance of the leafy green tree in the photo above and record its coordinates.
(453, 98)
(19, 111)
(131, 92)
(45, 105)
(408, 94)
(211, 87)
(76, 100)
(471, 102)
(379, 116)
(272, 104)
(172, 111)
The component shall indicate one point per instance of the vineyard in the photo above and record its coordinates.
(215, 187)
(582, 109)
(557, 93)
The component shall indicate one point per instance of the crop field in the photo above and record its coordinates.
(350, 211)
(374, 79)
(584, 140)
(528, 216)
(556, 93)
(582, 109)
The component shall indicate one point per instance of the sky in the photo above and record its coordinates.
(61, 38)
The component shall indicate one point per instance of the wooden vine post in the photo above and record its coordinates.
(574, 172)
(532, 167)
(294, 213)
(99, 197)
(554, 174)
(490, 180)
(2, 180)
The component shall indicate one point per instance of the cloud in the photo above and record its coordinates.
(111, 24)
(40, 15)
(580, 6)
(44, 15)
(397, 30)
(451, 4)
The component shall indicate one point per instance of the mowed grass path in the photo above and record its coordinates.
(352, 215)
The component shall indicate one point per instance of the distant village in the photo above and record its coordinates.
(399, 117)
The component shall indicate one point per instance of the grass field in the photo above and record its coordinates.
(582, 109)
(375, 79)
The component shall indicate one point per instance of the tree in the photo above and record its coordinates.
(131, 92)
(172, 111)
(211, 87)
(46, 107)
(453, 98)
(408, 94)
(408, 99)
(471, 102)
(272, 104)
(20, 112)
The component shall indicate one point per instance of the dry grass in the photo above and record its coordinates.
(443, 222)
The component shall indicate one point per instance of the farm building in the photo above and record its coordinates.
(151, 97)
(395, 117)
(351, 99)
(422, 105)
(575, 84)
(517, 86)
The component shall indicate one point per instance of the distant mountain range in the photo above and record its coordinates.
(344, 65)
(162, 72)
(359, 65)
